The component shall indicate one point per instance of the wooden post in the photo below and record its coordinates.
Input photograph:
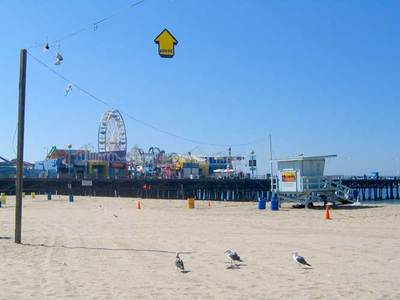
(20, 146)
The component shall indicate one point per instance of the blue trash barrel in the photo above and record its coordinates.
(71, 198)
(261, 203)
(48, 196)
(274, 203)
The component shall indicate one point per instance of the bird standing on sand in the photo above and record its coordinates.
(232, 255)
(300, 259)
(179, 263)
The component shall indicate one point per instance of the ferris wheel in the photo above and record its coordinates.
(112, 132)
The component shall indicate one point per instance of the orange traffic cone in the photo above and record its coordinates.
(209, 204)
(327, 213)
(138, 205)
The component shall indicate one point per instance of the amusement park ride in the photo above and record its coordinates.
(112, 140)
(112, 147)
(113, 160)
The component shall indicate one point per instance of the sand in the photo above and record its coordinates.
(105, 248)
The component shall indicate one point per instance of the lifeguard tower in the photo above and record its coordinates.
(301, 179)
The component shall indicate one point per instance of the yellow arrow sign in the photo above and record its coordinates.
(166, 44)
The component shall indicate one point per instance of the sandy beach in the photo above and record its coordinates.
(105, 248)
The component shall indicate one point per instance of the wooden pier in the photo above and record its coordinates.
(375, 189)
(207, 189)
(227, 189)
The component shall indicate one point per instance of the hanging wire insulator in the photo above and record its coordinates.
(59, 59)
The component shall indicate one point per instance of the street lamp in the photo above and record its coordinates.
(190, 155)
(229, 165)
(69, 159)
(252, 163)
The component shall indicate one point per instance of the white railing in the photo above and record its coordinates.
(314, 183)
(311, 187)
(318, 183)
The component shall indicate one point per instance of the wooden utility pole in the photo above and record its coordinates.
(20, 146)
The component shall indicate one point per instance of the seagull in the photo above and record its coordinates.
(232, 255)
(179, 263)
(300, 259)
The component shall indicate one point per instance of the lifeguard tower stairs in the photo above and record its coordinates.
(301, 179)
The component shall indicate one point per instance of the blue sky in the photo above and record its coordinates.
(321, 76)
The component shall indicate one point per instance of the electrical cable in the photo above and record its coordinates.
(92, 26)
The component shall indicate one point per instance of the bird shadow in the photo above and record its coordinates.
(307, 268)
(234, 267)
(238, 265)
(102, 248)
(185, 271)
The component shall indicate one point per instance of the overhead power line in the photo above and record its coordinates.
(128, 115)
(92, 26)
